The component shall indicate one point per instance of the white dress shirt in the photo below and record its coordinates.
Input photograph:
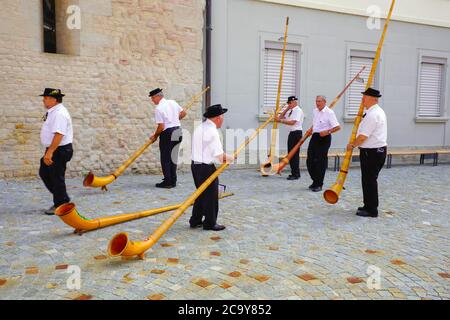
(374, 127)
(324, 120)
(168, 113)
(58, 121)
(297, 115)
(206, 144)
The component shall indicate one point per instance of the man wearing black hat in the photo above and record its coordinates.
(371, 139)
(168, 114)
(56, 137)
(293, 117)
(207, 149)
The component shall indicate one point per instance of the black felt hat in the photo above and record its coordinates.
(372, 93)
(214, 111)
(155, 92)
(292, 98)
(50, 92)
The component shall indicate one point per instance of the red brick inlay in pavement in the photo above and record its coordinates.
(307, 277)
(203, 283)
(262, 278)
(61, 267)
(355, 280)
(84, 297)
(156, 297)
(398, 262)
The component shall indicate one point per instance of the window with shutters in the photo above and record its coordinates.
(272, 65)
(430, 87)
(358, 59)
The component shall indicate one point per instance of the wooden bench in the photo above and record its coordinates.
(442, 151)
(337, 155)
(420, 152)
(423, 153)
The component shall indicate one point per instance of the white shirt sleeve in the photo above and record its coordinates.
(298, 115)
(366, 128)
(333, 120)
(216, 146)
(60, 125)
(178, 106)
(159, 116)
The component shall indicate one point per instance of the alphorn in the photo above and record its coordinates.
(278, 167)
(101, 182)
(274, 132)
(70, 216)
(331, 195)
(121, 245)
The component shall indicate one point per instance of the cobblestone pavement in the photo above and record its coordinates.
(281, 242)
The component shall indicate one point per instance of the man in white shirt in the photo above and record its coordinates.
(168, 114)
(207, 149)
(57, 138)
(372, 142)
(324, 125)
(293, 117)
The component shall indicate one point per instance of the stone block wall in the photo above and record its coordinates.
(123, 49)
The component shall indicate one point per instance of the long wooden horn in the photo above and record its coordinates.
(101, 182)
(285, 161)
(69, 215)
(121, 245)
(332, 194)
(268, 165)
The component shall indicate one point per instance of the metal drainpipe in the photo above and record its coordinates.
(208, 29)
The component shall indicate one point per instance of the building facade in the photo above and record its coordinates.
(105, 55)
(328, 42)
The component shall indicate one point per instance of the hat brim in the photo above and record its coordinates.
(53, 96)
(369, 95)
(211, 115)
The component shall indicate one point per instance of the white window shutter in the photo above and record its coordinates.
(430, 89)
(354, 96)
(272, 64)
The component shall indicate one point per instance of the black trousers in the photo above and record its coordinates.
(372, 161)
(169, 145)
(54, 176)
(207, 204)
(293, 139)
(317, 161)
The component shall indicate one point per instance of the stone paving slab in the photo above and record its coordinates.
(281, 242)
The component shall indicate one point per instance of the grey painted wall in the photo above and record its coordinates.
(241, 25)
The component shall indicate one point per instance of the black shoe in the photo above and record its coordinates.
(195, 226)
(164, 185)
(293, 177)
(316, 189)
(366, 214)
(50, 211)
(311, 187)
(360, 209)
(217, 227)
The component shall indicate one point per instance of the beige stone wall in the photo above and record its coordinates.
(126, 48)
